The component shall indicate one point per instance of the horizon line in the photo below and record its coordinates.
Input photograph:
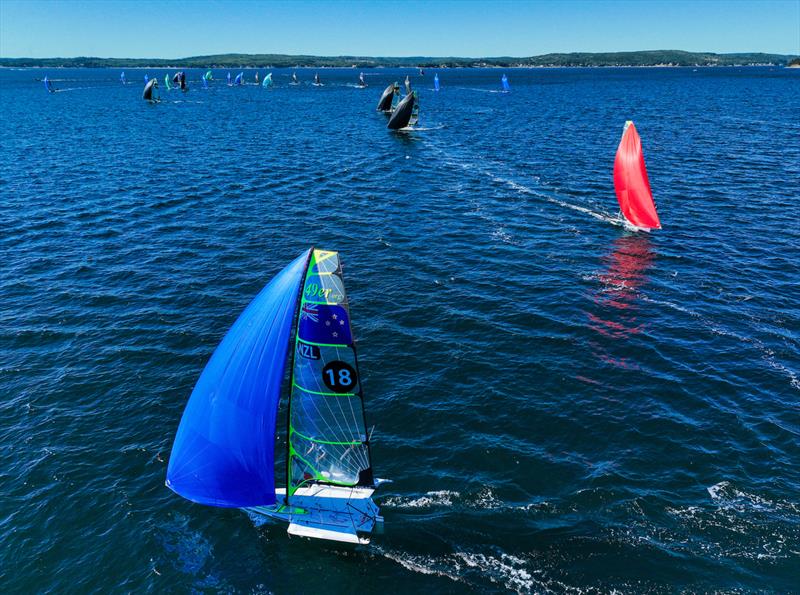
(406, 57)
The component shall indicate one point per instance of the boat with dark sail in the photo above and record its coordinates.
(389, 98)
(406, 114)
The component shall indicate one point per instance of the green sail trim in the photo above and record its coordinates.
(324, 394)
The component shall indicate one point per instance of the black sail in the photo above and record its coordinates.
(148, 90)
(385, 104)
(402, 113)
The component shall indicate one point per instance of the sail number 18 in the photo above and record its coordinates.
(339, 376)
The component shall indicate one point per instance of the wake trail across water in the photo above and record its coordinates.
(473, 163)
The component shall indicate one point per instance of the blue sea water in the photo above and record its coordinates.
(563, 406)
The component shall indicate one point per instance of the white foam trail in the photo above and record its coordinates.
(436, 498)
(506, 570)
(522, 189)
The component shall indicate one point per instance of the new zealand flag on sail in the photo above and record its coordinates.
(320, 323)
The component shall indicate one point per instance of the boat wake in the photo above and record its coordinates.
(483, 499)
(475, 164)
(420, 128)
(767, 354)
(475, 569)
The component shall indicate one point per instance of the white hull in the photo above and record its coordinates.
(334, 513)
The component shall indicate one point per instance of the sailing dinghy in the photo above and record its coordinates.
(631, 184)
(406, 114)
(224, 451)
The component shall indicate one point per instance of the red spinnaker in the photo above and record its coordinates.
(631, 183)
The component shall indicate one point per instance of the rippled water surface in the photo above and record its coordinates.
(562, 405)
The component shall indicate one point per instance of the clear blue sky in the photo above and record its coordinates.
(180, 28)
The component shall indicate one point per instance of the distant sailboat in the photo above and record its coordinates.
(179, 80)
(146, 78)
(150, 92)
(295, 81)
(208, 76)
(229, 79)
(205, 82)
(504, 82)
(257, 79)
(267, 81)
(408, 85)
(48, 85)
(385, 104)
(405, 114)
(362, 84)
(317, 82)
(224, 452)
(239, 80)
(436, 82)
(631, 183)
(166, 82)
(122, 78)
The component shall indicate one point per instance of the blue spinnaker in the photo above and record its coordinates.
(224, 451)
(238, 79)
(436, 81)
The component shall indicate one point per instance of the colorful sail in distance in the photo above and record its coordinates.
(166, 82)
(631, 183)
(224, 450)
(208, 76)
(328, 441)
(267, 81)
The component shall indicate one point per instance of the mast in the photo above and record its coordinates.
(293, 347)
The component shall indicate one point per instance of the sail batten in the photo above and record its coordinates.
(224, 450)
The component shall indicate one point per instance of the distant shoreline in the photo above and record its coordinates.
(178, 67)
(649, 58)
